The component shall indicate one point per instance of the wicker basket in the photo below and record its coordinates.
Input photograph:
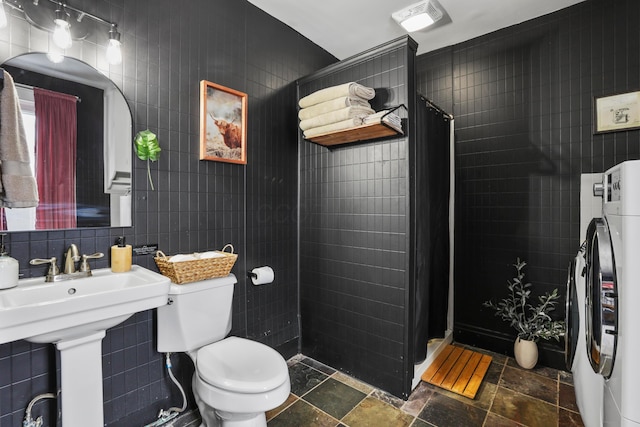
(201, 269)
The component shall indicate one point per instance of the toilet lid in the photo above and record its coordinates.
(241, 365)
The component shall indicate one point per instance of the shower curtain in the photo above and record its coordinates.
(56, 140)
(431, 202)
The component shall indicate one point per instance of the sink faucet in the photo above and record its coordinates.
(70, 259)
(70, 272)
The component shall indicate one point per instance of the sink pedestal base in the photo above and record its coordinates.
(81, 381)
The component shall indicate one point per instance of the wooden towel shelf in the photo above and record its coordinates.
(359, 133)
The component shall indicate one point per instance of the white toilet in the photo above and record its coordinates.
(236, 379)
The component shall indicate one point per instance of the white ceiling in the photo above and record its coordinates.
(347, 27)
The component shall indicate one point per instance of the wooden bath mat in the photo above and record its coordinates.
(458, 370)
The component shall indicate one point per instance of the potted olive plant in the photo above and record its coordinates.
(531, 322)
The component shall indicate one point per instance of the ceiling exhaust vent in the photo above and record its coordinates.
(417, 16)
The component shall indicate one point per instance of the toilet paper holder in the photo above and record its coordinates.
(261, 275)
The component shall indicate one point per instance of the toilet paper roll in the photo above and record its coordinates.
(262, 275)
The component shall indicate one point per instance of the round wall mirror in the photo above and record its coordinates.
(101, 163)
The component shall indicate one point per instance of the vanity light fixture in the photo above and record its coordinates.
(417, 16)
(62, 33)
(68, 23)
(114, 54)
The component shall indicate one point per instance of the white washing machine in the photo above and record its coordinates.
(588, 385)
(613, 294)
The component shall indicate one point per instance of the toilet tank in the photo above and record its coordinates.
(197, 314)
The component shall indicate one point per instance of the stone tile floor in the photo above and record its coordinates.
(509, 396)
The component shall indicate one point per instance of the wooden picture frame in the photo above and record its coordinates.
(617, 112)
(223, 124)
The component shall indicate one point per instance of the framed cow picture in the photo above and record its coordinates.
(223, 124)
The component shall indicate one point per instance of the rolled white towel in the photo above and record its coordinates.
(331, 105)
(333, 127)
(210, 254)
(377, 116)
(385, 116)
(182, 258)
(335, 116)
(346, 89)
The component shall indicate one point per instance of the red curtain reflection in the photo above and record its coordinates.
(56, 139)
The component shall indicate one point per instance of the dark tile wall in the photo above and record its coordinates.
(522, 99)
(168, 48)
(354, 234)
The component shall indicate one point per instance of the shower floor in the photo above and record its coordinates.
(509, 396)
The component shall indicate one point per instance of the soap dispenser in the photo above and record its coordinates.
(9, 268)
(120, 256)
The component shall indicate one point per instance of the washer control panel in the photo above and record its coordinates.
(621, 196)
(613, 186)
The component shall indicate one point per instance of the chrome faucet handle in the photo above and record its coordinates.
(84, 266)
(53, 268)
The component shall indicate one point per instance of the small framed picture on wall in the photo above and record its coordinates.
(617, 112)
(223, 124)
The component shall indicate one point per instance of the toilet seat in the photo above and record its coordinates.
(241, 365)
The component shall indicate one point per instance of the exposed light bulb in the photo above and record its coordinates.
(62, 37)
(114, 53)
(417, 22)
(62, 34)
(3, 15)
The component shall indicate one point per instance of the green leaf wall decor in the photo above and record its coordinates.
(147, 148)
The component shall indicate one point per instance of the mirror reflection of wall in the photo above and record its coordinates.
(103, 168)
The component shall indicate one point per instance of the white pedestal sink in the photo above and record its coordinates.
(74, 315)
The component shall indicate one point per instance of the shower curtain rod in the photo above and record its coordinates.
(431, 104)
(24, 86)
